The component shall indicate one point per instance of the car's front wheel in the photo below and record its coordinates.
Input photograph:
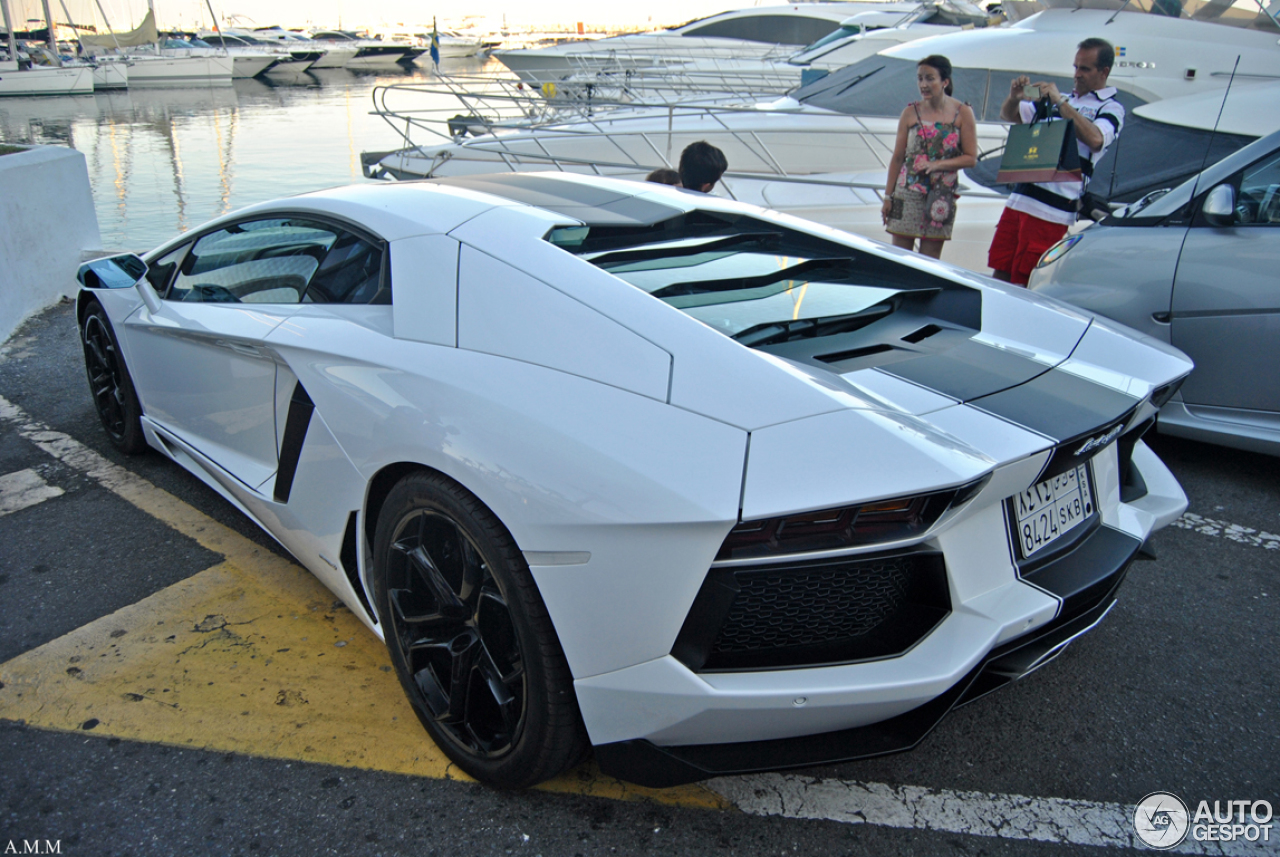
(109, 382)
(470, 638)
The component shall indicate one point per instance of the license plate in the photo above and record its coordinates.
(1048, 510)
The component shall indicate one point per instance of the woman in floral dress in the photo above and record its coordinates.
(936, 137)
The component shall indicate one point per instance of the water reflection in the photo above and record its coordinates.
(162, 161)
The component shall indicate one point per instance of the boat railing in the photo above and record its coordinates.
(660, 77)
(653, 149)
(486, 105)
(865, 186)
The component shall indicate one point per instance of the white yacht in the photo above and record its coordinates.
(247, 59)
(29, 69)
(370, 53)
(110, 72)
(43, 81)
(148, 64)
(453, 45)
(678, 76)
(20, 75)
(332, 54)
(756, 32)
(822, 151)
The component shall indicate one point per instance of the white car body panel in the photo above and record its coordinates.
(620, 440)
(428, 314)
(916, 459)
(223, 402)
(502, 304)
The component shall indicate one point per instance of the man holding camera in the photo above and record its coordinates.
(1037, 215)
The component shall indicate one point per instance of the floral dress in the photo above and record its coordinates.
(924, 205)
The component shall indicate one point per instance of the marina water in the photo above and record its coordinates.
(162, 161)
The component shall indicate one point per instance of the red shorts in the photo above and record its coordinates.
(1020, 241)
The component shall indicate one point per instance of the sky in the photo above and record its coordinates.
(489, 14)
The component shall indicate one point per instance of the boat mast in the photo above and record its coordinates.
(48, 23)
(107, 23)
(8, 27)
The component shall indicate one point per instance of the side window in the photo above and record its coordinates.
(160, 272)
(259, 261)
(1260, 193)
(283, 260)
(350, 273)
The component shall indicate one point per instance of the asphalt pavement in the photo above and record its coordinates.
(1175, 691)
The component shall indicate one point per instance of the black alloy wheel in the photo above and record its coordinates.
(109, 382)
(470, 638)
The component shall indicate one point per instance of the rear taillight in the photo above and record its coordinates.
(848, 526)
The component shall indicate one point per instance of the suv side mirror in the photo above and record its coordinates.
(1219, 207)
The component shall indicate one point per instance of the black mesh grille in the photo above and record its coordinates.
(816, 612)
(776, 609)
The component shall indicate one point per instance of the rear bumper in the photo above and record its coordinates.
(1095, 568)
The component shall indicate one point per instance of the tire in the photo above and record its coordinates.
(109, 382)
(470, 638)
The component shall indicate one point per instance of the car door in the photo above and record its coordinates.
(1226, 302)
(201, 366)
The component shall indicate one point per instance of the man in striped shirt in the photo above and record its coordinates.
(1037, 215)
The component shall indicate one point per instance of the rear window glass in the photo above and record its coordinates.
(751, 280)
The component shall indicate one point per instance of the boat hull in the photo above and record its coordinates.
(47, 81)
(181, 71)
(110, 75)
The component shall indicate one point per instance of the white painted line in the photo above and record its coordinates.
(1233, 532)
(24, 489)
(1067, 822)
(70, 451)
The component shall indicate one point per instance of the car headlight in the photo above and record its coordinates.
(1056, 252)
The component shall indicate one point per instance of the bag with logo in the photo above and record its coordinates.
(1041, 152)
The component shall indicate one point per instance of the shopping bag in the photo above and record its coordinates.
(1041, 152)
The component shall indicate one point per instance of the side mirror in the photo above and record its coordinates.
(113, 272)
(119, 272)
(1219, 207)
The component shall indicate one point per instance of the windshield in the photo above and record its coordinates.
(845, 31)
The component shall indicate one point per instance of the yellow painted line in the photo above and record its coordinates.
(251, 656)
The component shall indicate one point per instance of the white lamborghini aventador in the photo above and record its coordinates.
(614, 465)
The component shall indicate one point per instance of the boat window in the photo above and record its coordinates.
(282, 260)
(845, 31)
(771, 29)
(876, 85)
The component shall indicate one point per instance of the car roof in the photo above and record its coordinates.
(600, 203)
(396, 210)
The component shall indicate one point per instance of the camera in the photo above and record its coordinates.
(1031, 93)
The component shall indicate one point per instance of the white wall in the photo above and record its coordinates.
(47, 226)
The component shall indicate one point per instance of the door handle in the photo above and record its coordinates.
(241, 348)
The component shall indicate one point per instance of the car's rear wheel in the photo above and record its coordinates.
(109, 382)
(470, 638)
